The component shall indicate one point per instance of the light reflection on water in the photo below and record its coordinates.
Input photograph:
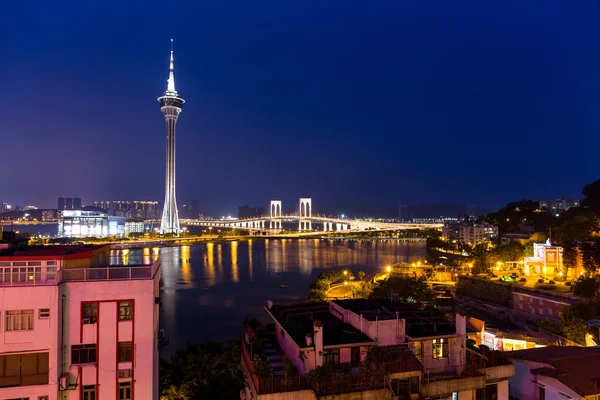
(209, 289)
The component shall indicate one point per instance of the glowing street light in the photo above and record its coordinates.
(345, 282)
(345, 272)
(388, 269)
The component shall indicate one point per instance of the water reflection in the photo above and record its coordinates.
(207, 295)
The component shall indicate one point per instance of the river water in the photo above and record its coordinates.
(209, 289)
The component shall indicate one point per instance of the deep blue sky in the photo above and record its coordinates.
(348, 102)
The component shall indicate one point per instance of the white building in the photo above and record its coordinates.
(75, 328)
(87, 223)
(477, 233)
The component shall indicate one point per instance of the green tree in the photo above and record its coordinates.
(588, 287)
(589, 257)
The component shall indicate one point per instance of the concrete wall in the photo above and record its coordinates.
(43, 337)
(456, 355)
(385, 332)
(521, 383)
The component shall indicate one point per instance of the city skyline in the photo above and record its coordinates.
(386, 105)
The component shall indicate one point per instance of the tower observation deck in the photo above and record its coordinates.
(170, 105)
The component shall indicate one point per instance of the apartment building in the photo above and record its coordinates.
(477, 233)
(427, 355)
(75, 327)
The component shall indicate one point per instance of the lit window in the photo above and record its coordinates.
(440, 348)
(19, 320)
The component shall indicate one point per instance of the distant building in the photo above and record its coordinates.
(450, 230)
(508, 238)
(84, 223)
(76, 327)
(4, 207)
(556, 373)
(48, 215)
(556, 207)
(477, 233)
(250, 212)
(68, 203)
(130, 208)
(547, 260)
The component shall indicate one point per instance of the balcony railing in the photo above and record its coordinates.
(43, 277)
(107, 273)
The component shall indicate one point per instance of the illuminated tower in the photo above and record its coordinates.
(170, 105)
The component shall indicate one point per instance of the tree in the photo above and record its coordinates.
(589, 257)
(569, 257)
(588, 287)
(262, 368)
(361, 275)
(408, 289)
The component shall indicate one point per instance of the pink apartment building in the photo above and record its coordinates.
(73, 327)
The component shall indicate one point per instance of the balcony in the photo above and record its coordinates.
(110, 273)
(43, 276)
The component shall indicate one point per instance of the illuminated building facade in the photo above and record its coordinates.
(170, 105)
(81, 223)
(130, 209)
(556, 207)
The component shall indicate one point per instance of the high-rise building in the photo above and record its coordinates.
(68, 203)
(556, 207)
(130, 208)
(76, 327)
(170, 105)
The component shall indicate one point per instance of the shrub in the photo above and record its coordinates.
(552, 283)
(540, 280)
(523, 280)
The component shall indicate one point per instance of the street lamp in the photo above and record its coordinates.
(345, 272)
(388, 269)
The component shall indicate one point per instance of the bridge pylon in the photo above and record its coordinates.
(275, 214)
(304, 214)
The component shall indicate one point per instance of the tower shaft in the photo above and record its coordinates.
(171, 107)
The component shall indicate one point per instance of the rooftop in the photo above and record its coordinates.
(54, 251)
(419, 323)
(298, 321)
(569, 365)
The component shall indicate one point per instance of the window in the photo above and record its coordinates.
(89, 313)
(490, 392)
(43, 397)
(83, 354)
(34, 263)
(89, 392)
(50, 262)
(50, 273)
(331, 356)
(355, 356)
(440, 348)
(24, 369)
(417, 350)
(19, 320)
(125, 310)
(125, 390)
(125, 349)
(44, 313)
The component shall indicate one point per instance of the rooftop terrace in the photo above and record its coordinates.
(298, 321)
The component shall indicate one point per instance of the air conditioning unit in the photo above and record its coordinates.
(64, 382)
(124, 373)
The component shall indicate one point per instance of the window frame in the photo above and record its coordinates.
(125, 352)
(439, 348)
(43, 313)
(11, 316)
(331, 356)
(89, 312)
(123, 387)
(125, 310)
(88, 391)
(89, 349)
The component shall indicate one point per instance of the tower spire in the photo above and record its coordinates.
(171, 81)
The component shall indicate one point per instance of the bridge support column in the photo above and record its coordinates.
(338, 227)
(344, 227)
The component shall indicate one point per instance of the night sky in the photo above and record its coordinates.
(353, 103)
